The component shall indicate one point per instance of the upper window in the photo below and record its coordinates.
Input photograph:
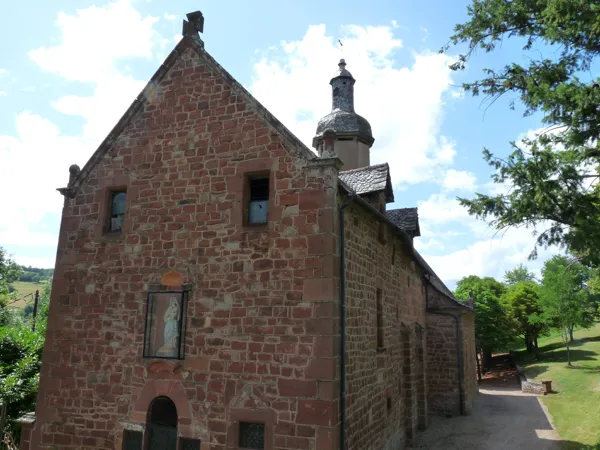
(258, 207)
(117, 211)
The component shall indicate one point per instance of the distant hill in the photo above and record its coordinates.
(31, 280)
(35, 275)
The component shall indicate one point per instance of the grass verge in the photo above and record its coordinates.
(575, 406)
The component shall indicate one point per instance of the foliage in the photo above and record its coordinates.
(491, 332)
(9, 272)
(521, 301)
(518, 275)
(20, 359)
(34, 274)
(565, 300)
(551, 176)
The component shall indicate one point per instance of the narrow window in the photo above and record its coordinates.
(252, 435)
(393, 254)
(382, 225)
(132, 440)
(258, 207)
(380, 343)
(389, 404)
(381, 233)
(117, 211)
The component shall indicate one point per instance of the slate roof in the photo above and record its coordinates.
(342, 121)
(370, 179)
(343, 118)
(407, 219)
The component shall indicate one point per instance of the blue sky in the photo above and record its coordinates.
(69, 74)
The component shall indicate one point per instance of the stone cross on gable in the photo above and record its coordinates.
(194, 24)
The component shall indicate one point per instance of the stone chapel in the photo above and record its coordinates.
(221, 286)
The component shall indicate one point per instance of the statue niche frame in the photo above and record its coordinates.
(164, 335)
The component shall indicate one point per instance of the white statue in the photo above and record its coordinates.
(171, 334)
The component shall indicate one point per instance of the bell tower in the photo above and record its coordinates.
(352, 137)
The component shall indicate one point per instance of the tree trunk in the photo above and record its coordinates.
(479, 377)
(487, 359)
(569, 354)
(571, 334)
(528, 343)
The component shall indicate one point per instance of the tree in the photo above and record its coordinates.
(20, 360)
(517, 275)
(523, 306)
(9, 272)
(565, 300)
(491, 332)
(551, 177)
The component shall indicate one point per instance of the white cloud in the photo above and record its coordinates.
(491, 257)
(87, 53)
(35, 161)
(459, 180)
(403, 104)
(3, 93)
(483, 251)
(94, 39)
(170, 17)
(3, 71)
(439, 209)
(429, 244)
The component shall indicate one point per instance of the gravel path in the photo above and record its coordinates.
(503, 418)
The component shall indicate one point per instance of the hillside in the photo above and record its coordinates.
(25, 288)
(31, 279)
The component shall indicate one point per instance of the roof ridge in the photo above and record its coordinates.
(400, 209)
(196, 44)
(373, 166)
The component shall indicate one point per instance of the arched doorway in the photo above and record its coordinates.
(162, 425)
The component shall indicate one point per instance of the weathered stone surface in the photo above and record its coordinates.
(247, 321)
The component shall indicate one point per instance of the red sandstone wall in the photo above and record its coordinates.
(372, 375)
(470, 364)
(442, 370)
(261, 328)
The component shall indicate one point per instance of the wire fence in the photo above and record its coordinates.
(17, 300)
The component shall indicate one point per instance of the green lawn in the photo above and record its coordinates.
(23, 288)
(575, 407)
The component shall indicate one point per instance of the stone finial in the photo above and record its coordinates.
(73, 172)
(328, 144)
(194, 24)
(471, 301)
